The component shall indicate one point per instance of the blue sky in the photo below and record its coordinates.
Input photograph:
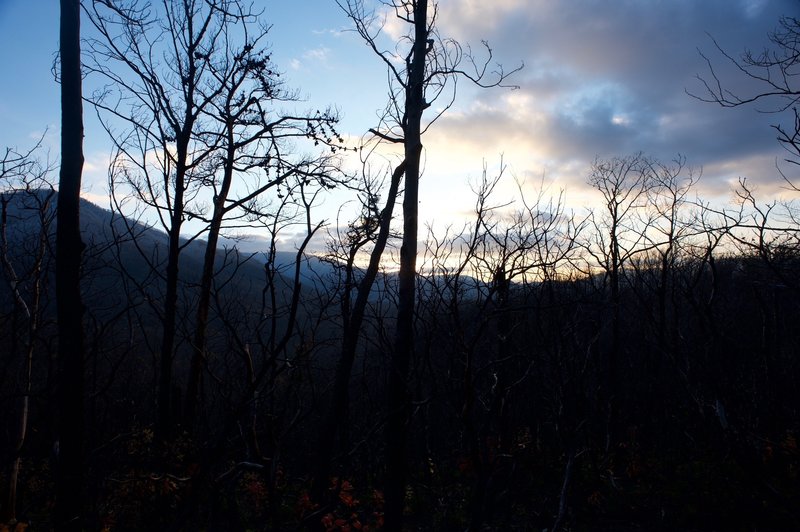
(601, 78)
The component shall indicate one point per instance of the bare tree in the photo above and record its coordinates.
(671, 227)
(519, 244)
(156, 61)
(69, 511)
(255, 156)
(774, 71)
(205, 139)
(27, 199)
(372, 227)
(482, 296)
(618, 234)
(422, 68)
(767, 230)
(668, 199)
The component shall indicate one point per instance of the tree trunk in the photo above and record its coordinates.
(165, 421)
(396, 432)
(611, 381)
(166, 401)
(69, 509)
(334, 427)
(206, 279)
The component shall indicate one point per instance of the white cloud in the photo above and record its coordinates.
(320, 54)
(753, 8)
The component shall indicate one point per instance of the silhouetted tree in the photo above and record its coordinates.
(28, 194)
(619, 233)
(252, 136)
(156, 61)
(372, 227)
(477, 292)
(70, 468)
(204, 130)
(670, 228)
(416, 80)
(774, 74)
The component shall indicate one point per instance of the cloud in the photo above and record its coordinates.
(609, 78)
(332, 32)
(320, 54)
(601, 79)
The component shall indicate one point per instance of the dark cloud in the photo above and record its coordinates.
(610, 78)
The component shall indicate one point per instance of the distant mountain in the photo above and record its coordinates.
(111, 250)
(100, 227)
(312, 267)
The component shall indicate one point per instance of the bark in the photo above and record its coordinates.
(69, 509)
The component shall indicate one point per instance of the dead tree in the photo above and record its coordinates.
(27, 198)
(618, 234)
(70, 470)
(774, 73)
(422, 69)
(156, 61)
(253, 139)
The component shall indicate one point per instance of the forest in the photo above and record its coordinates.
(634, 366)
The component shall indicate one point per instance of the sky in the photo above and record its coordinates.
(601, 78)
